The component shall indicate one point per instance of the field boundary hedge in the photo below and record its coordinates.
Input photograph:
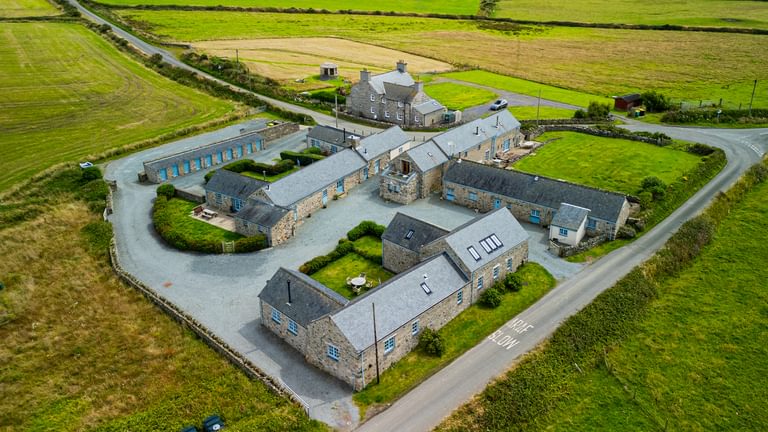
(542, 379)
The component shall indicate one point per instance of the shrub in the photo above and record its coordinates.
(91, 173)
(316, 263)
(301, 159)
(313, 150)
(580, 114)
(209, 175)
(655, 186)
(166, 190)
(700, 149)
(626, 232)
(490, 298)
(431, 342)
(597, 110)
(251, 244)
(513, 282)
(646, 199)
(365, 228)
(655, 102)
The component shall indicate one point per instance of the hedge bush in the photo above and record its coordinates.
(711, 116)
(490, 298)
(431, 342)
(513, 282)
(365, 228)
(317, 263)
(167, 190)
(91, 173)
(301, 158)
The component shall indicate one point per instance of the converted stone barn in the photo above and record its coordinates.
(403, 240)
(256, 217)
(337, 335)
(534, 198)
(228, 191)
(330, 139)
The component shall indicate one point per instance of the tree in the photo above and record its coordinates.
(595, 111)
(655, 186)
(513, 282)
(91, 173)
(431, 342)
(166, 190)
(655, 102)
(490, 298)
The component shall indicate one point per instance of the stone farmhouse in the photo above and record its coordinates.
(341, 336)
(538, 200)
(419, 171)
(394, 97)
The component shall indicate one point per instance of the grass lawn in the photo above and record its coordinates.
(457, 96)
(335, 274)
(697, 359)
(605, 163)
(68, 94)
(462, 333)
(715, 13)
(195, 229)
(369, 245)
(544, 112)
(270, 178)
(453, 7)
(83, 352)
(590, 61)
(27, 8)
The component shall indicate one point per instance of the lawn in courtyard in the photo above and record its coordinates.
(193, 229)
(335, 274)
(270, 178)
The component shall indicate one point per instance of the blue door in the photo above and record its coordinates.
(230, 156)
(240, 151)
(209, 160)
(325, 196)
(340, 186)
(163, 174)
(175, 170)
(250, 148)
(496, 203)
(535, 216)
(259, 145)
(376, 166)
(186, 167)
(365, 173)
(198, 164)
(220, 157)
(449, 194)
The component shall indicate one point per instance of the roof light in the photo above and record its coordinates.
(426, 288)
(496, 240)
(474, 253)
(409, 234)
(486, 246)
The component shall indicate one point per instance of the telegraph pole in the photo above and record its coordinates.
(538, 106)
(754, 87)
(336, 102)
(375, 342)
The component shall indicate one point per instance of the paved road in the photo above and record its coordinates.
(428, 404)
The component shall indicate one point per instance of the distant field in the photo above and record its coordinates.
(544, 112)
(606, 163)
(288, 59)
(715, 13)
(457, 96)
(66, 93)
(688, 65)
(452, 7)
(26, 8)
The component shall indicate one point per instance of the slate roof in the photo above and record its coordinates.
(427, 156)
(630, 97)
(394, 77)
(499, 222)
(466, 136)
(423, 232)
(233, 184)
(398, 92)
(208, 149)
(377, 144)
(330, 135)
(310, 299)
(260, 213)
(398, 301)
(431, 106)
(536, 189)
(308, 180)
(570, 216)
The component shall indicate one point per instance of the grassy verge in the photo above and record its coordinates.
(544, 112)
(82, 352)
(662, 347)
(462, 333)
(335, 274)
(457, 96)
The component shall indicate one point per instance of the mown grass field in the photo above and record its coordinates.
(67, 94)
(457, 96)
(462, 333)
(711, 13)
(606, 163)
(602, 62)
(83, 352)
(26, 8)
(544, 112)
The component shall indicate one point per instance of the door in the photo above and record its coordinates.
(496, 203)
(208, 160)
(365, 173)
(325, 197)
(175, 170)
(340, 186)
(259, 145)
(199, 164)
(186, 167)
(535, 216)
(229, 154)
(377, 166)
(163, 174)
(240, 151)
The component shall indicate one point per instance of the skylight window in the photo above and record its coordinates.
(496, 240)
(474, 253)
(425, 287)
(488, 246)
(409, 234)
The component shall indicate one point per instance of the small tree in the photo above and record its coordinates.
(597, 110)
(490, 298)
(655, 102)
(431, 342)
(655, 186)
(91, 173)
(513, 282)
(166, 190)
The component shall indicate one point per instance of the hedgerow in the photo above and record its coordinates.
(365, 228)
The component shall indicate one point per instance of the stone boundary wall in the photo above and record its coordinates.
(564, 121)
(252, 371)
(274, 132)
(189, 196)
(564, 251)
(596, 132)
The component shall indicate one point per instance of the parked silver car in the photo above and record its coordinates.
(499, 104)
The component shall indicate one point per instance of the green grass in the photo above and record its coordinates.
(68, 94)
(460, 334)
(714, 13)
(544, 112)
(529, 88)
(27, 8)
(457, 96)
(369, 245)
(697, 359)
(270, 178)
(335, 274)
(605, 163)
(194, 229)
(453, 7)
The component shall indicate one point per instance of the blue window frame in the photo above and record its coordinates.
(377, 166)
(292, 327)
(333, 352)
(449, 194)
(187, 169)
(175, 170)
(460, 297)
(219, 198)
(480, 282)
(237, 204)
(505, 146)
(276, 317)
(208, 160)
(220, 157)
(591, 223)
(163, 174)
(496, 203)
(340, 186)
(496, 272)
(535, 213)
(473, 196)
(230, 154)
(389, 345)
(334, 149)
(415, 327)
(198, 164)
(509, 264)
(535, 216)
(563, 232)
(259, 145)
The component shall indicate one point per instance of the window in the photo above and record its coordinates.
(389, 344)
(240, 151)
(333, 352)
(425, 287)
(460, 297)
(496, 240)
(292, 327)
(478, 146)
(473, 196)
(480, 282)
(386, 114)
(219, 198)
(449, 194)
(175, 170)
(334, 149)
(509, 264)
(230, 154)
(250, 148)
(383, 99)
(373, 111)
(220, 157)
(473, 252)
(199, 164)
(399, 104)
(495, 272)
(465, 154)
(399, 116)
(416, 118)
(163, 174)
(276, 316)
(400, 150)
(487, 247)
(340, 186)
(563, 232)
(591, 223)
(187, 169)
(415, 327)
(505, 146)
(208, 160)
(535, 213)
(409, 234)
(373, 98)
(237, 204)
(487, 154)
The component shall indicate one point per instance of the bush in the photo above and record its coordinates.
(431, 342)
(700, 149)
(626, 232)
(655, 102)
(646, 199)
(209, 175)
(365, 228)
(513, 282)
(490, 298)
(91, 173)
(317, 263)
(655, 186)
(313, 150)
(251, 244)
(301, 159)
(597, 110)
(166, 190)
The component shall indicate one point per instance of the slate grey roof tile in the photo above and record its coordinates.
(570, 216)
(233, 184)
(310, 299)
(260, 213)
(375, 145)
(423, 232)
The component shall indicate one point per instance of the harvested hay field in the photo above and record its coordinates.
(285, 59)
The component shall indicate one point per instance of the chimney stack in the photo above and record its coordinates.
(477, 130)
(401, 66)
(365, 75)
(289, 292)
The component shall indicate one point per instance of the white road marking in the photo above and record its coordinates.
(507, 341)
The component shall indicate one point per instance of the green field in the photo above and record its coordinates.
(67, 94)
(544, 112)
(715, 13)
(457, 96)
(603, 62)
(452, 7)
(26, 8)
(606, 163)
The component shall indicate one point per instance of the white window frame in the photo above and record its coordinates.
(373, 98)
(293, 328)
(416, 118)
(399, 116)
(373, 110)
(333, 352)
(480, 282)
(415, 327)
(386, 114)
(564, 232)
(389, 345)
(496, 271)
(399, 104)
(472, 196)
(277, 316)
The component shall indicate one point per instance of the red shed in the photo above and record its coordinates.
(626, 102)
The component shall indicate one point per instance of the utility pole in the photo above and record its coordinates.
(336, 102)
(375, 342)
(754, 87)
(237, 56)
(538, 106)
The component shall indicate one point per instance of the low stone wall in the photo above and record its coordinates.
(564, 251)
(279, 131)
(190, 196)
(592, 131)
